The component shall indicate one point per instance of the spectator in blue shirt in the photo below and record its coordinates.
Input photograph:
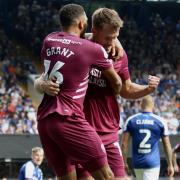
(30, 170)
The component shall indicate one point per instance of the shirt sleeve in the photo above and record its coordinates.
(41, 175)
(126, 126)
(29, 169)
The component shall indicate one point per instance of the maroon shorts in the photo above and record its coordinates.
(68, 141)
(114, 155)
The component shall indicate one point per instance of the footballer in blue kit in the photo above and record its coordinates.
(146, 129)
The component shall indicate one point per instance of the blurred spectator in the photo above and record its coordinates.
(31, 169)
(17, 113)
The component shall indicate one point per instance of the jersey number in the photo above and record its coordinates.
(144, 147)
(54, 72)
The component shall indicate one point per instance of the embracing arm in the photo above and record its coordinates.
(113, 79)
(39, 84)
(116, 50)
(51, 88)
(46, 86)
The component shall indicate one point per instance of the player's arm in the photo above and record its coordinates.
(113, 79)
(132, 90)
(124, 148)
(168, 152)
(46, 86)
(51, 88)
(174, 158)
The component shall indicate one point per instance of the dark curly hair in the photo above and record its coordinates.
(69, 13)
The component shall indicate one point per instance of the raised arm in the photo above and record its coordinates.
(132, 90)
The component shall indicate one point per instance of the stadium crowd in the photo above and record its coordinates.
(17, 113)
(155, 49)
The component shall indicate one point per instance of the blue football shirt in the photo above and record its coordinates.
(30, 171)
(146, 129)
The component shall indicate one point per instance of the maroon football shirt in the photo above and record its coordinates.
(69, 58)
(100, 106)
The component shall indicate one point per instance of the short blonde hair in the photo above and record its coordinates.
(36, 149)
(147, 102)
(103, 16)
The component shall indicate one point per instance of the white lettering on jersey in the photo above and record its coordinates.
(95, 78)
(145, 147)
(64, 41)
(58, 50)
(144, 121)
(95, 72)
(54, 72)
(144, 151)
(97, 81)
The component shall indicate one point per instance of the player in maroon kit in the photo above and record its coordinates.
(100, 105)
(66, 136)
(176, 150)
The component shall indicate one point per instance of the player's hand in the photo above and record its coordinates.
(176, 168)
(170, 171)
(116, 50)
(50, 87)
(153, 82)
